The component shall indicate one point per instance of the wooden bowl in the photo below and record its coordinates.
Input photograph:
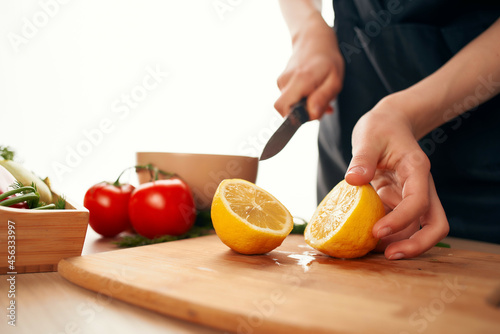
(38, 239)
(202, 172)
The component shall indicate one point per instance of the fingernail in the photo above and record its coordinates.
(358, 170)
(384, 232)
(316, 111)
(396, 256)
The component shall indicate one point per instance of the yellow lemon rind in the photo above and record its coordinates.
(354, 237)
(238, 234)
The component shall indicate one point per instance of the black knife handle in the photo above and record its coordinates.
(301, 110)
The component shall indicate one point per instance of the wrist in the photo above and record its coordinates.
(313, 26)
(299, 14)
(417, 111)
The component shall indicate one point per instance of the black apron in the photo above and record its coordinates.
(388, 45)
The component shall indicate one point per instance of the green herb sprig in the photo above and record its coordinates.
(202, 226)
(6, 152)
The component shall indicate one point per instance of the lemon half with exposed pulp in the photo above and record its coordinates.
(342, 224)
(248, 219)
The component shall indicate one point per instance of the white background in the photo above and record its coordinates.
(63, 66)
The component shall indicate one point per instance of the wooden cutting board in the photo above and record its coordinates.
(295, 289)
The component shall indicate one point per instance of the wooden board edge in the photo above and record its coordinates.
(104, 286)
(175, 307)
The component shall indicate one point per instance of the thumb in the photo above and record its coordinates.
(363, 165)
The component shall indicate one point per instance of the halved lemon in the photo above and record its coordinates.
(248, 219)
(342, 224)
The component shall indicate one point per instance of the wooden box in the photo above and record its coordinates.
(34, 241)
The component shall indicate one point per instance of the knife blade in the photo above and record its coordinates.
(287, 129)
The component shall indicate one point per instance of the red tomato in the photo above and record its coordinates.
(162, 207)
(108, 208)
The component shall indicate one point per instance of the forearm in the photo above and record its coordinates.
(299, 14)
(468, 79)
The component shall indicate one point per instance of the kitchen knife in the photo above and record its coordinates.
(287, 129)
